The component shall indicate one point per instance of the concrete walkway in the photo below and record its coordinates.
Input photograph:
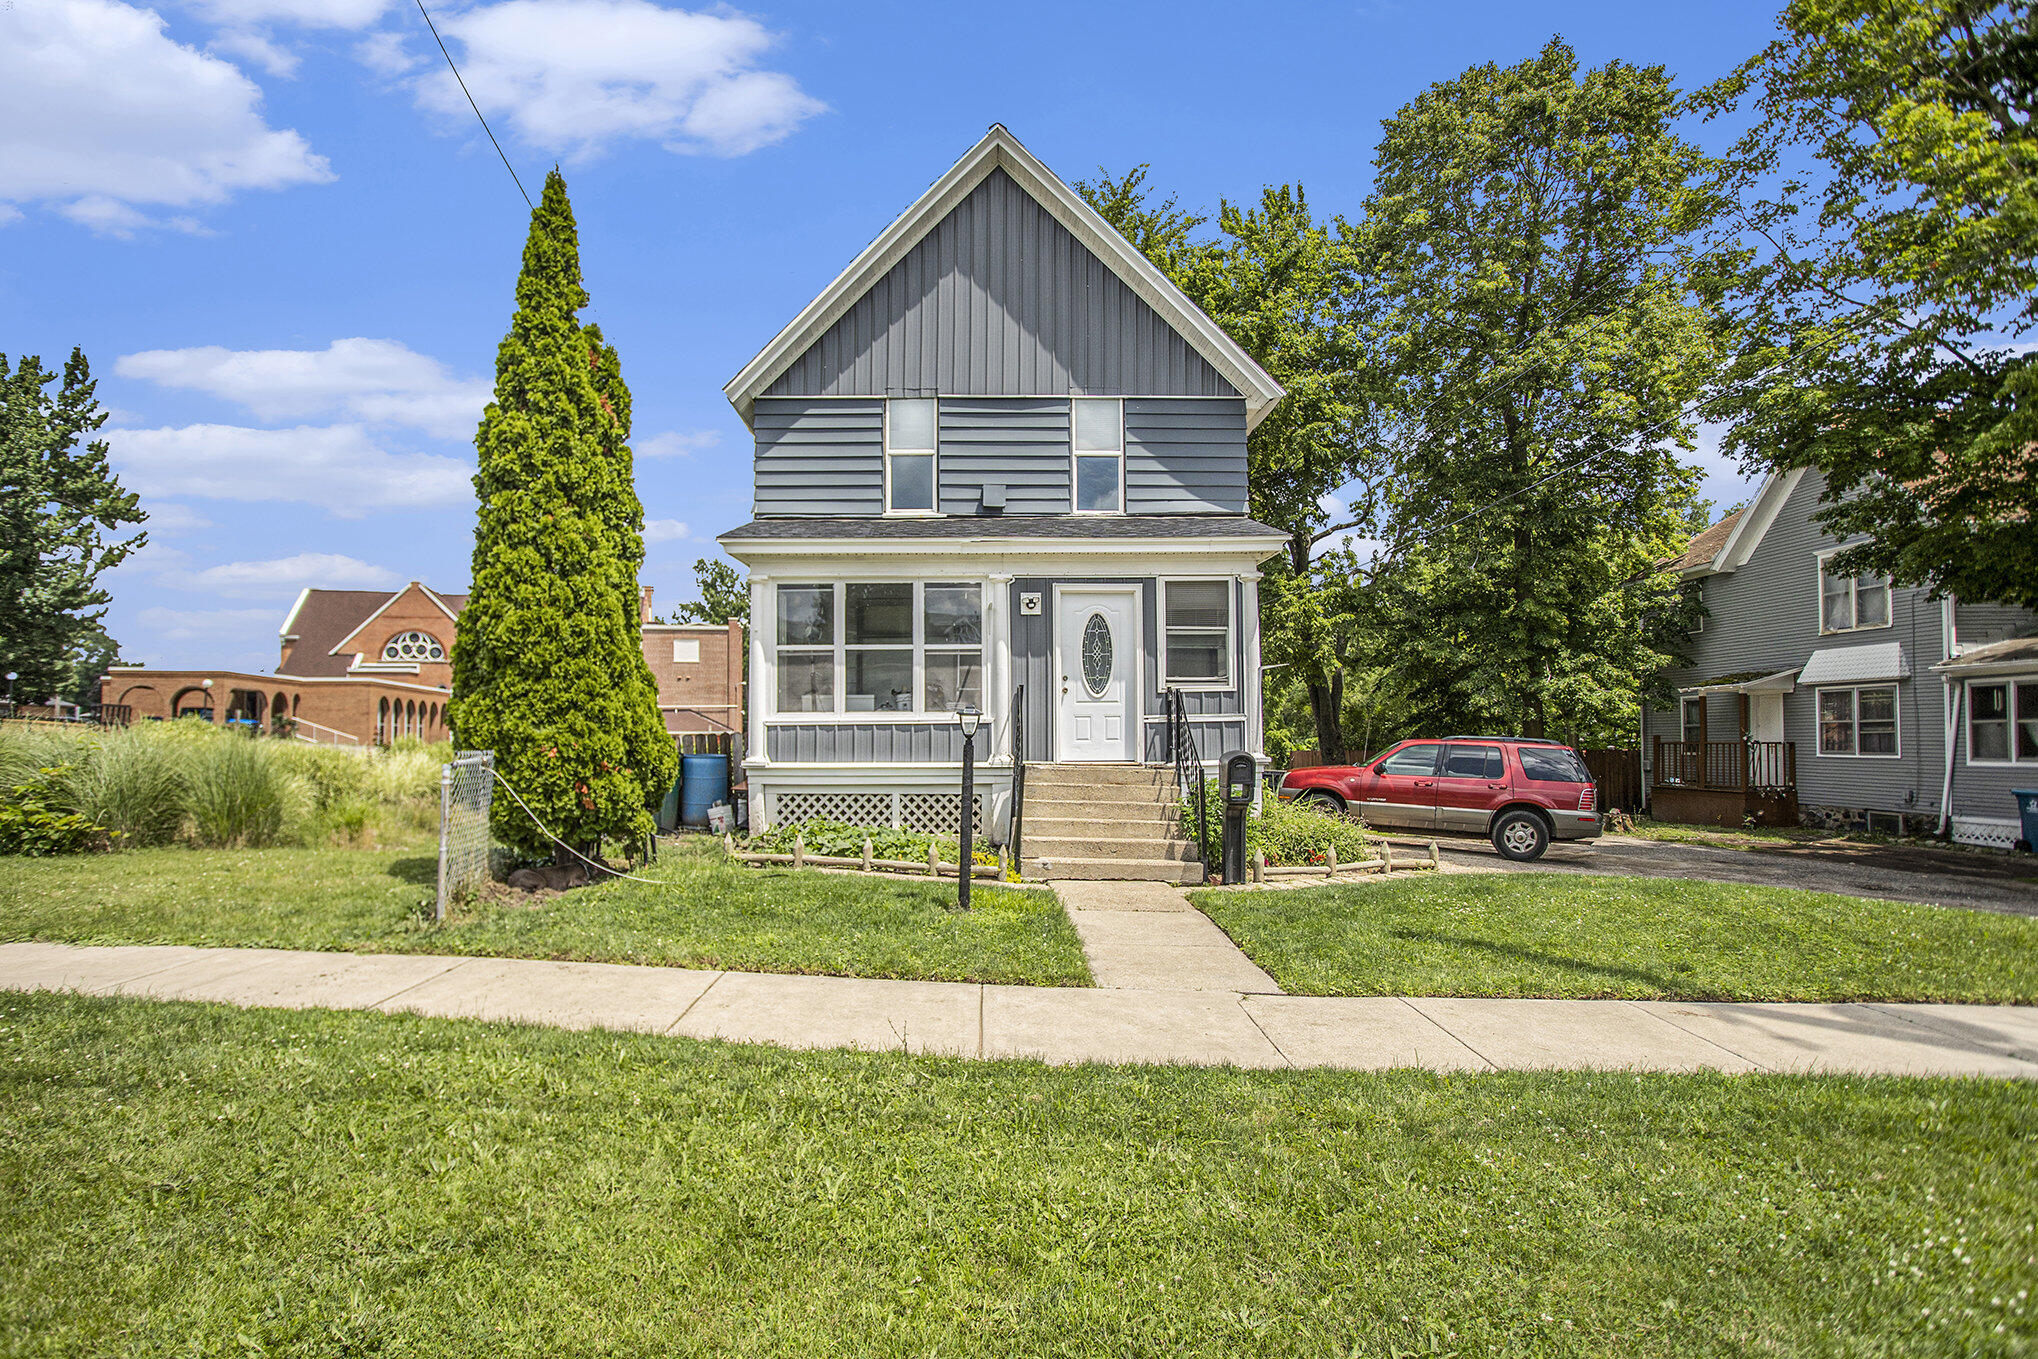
(1069, 1024)
(1145, 936)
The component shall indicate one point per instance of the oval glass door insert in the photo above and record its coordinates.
(1096, 655)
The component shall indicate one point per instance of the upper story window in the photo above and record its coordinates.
(2002, 722)
(1848, 603)
(413, 646)
(912, 441)
(879, 647)
(1197, 636)
(1097, 444)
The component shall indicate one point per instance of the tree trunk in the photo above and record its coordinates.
(1326, 705)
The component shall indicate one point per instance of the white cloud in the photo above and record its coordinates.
(1331, 506)
(286, 576)
(207, 625)
(673, 444)
(386, 54)
(101, 111)
(308, 13)
(663, 530)
(573, 76)
(339, 467)
(260, 49)
(167, 516)
(381, 382)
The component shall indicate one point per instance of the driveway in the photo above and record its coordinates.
(1936, 877)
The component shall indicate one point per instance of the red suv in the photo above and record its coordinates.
(1520, 793)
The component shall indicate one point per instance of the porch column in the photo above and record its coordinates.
(1250, 686)
(998, 665)
(763, 683)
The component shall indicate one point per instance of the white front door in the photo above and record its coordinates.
(1765, 717)
(1096, 669)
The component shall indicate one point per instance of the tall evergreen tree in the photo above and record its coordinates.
(546, 659)
(61, 515)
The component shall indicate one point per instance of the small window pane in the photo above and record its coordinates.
(1195, 657)
(1877, 718)
(1199, 604)
(879, 681)
(806, 615)
(1693, 707)
(1836, 604)
(1095, 425)
(2027, 721)
(1988, 727)
(954, 616)
(1871, 603)
(912, 423)
(1418, 760)
(953, 679)
(806, 682)
(1472, 762)
(912, 481)
(878, 613)
(1836, 722)
(1097, 484)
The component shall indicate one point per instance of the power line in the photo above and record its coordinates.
(476, 107)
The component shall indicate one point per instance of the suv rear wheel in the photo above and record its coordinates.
(1521, 836)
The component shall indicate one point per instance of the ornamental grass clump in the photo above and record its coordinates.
(241, 794)
(132, 784)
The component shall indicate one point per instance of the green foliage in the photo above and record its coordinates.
(1286, 833)
(823, 836)
(548, 669)
(61, 511)
(725, 594)
(34, 821)
(133, 784)
(240, 796)
(1891, 319)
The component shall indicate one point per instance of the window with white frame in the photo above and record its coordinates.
(2002, 721)
(1858, 721)
(1850, 603)
(1097, 444)
(1196, 645)
(413, 646)
(911, 442)
(1693, 713)
(874, 647)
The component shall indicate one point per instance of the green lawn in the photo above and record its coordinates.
(707, 912)
(201, 1180)
(1549, 934)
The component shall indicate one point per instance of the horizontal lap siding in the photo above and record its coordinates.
(865, 743)
(1018, 443)
(1000, 300)
(820, 458)
(1184, 456)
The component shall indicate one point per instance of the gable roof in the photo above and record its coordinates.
(441, 600)
(319, 622)
(1727, 545)
(1701, 550)
(1000, 150)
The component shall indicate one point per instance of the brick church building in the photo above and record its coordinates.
(360, 667)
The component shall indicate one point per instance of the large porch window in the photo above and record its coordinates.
(1197, 636)
(875, 647)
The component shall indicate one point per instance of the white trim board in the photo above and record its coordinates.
(1000, 150)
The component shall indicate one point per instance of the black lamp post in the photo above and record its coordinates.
(967, 717)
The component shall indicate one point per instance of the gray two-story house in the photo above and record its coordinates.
(1001, 463)
(1840, 701)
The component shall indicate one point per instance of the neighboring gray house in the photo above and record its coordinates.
(1000, 450)
(1845, 702)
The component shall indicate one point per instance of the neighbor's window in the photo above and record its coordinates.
(2002, 721)
(1858, 721)
(1097, 441)
(1198, 632)
(953, 631)
(413, 646)
(1694, 720)
(910, 444)
(1850, 602)
(806, 648)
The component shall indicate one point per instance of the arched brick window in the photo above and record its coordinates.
(413, 646)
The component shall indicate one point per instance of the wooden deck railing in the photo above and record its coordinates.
(1725, 766)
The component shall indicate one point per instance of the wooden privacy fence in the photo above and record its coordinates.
(1618, 772)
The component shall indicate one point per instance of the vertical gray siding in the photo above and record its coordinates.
(1184, 456)
(819, 458)
(1019, 443)
(1000, 300)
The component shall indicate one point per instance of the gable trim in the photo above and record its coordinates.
(1000, 150)
(1760, 516)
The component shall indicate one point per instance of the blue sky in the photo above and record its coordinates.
(279, 235)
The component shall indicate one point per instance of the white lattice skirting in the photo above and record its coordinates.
(931, 813)
(1974, 830)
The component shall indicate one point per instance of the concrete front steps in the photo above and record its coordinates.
(1105, 822)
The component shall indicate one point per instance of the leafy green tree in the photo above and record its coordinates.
(1529, 282)
(61, 514)
(547, 652)
(725, 594)
(1892, 321)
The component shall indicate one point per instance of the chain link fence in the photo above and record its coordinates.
(466, 787)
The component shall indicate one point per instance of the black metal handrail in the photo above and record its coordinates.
(1191, 778)
(1018, 767)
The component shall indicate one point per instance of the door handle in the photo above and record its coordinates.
(1496, 785)
(1425, 783)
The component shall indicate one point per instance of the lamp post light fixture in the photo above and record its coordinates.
(11, 677)
(967, 718)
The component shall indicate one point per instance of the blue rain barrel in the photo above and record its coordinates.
(668, 809)
(704, 781)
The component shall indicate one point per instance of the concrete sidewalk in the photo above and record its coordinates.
(1069, 1024)
(1145, 936)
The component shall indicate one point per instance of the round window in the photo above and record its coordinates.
(1096, 655)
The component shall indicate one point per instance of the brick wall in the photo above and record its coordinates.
(699, 669)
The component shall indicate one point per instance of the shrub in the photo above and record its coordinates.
(841, 839)
(240, 795)
(34, 821)
(131, 784)
(1287, 833)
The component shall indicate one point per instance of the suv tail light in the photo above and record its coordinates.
(1588, 799)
